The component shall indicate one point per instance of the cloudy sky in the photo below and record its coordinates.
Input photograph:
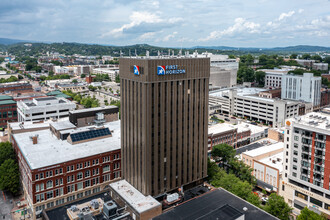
(239, 23)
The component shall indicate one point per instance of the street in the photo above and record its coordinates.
(5, 205)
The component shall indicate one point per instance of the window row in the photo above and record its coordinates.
(47, 174)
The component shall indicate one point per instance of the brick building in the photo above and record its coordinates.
(8, 110)
(233, 135)
(60, 163)
(21, 86)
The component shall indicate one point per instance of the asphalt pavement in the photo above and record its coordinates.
(5, 205)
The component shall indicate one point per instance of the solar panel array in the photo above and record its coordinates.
(85, 135)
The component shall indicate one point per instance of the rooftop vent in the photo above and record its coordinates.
(34, 139)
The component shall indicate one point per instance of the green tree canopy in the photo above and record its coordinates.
(9, 176)
(278, 207)
(223, 152)
(316, 57)
(293, 56)
(82, 76)
(260, 77)
(306, 56)
(246, 74)
(307, 214)
(6, 151)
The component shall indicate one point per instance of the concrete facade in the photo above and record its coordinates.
(306, 88)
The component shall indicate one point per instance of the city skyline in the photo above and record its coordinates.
(261, 23)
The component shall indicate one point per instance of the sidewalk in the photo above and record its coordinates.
(17, 213)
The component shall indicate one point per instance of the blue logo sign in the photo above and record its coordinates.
(161, 70)
(170, 69)
(136, 70)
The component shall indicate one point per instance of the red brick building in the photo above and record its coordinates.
(8, 110)
(61, 163)
(16, 87)
(235, 136)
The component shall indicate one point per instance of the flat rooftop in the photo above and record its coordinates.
(240, 91)
(255, 129)
(93, 109)
(133, 197)
(265, 149)
(254, 145)
(220, 128)
(58, 151)
(275, 161)
(319, 120)
(218, 204)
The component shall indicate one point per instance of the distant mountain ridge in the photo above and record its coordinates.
(16, 45)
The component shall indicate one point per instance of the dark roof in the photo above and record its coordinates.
(7, 102)
(46, 99)
(5, 97)
(218, 204)
(249, 147)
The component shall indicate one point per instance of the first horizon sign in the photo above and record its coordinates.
(169, 70)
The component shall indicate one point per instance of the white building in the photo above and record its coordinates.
(306, 88)
(244, 102)
(307, 163)
(273, 77)
(267, 165)
(223, 71)
(44, 108)
(112, 72)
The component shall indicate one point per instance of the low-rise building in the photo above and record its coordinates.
(267, 165)
(270, 94)
(44, 108)
(112, 72)
(245, 102)
(8, 110)
(140, 207)
(273, 77)
(276, 134)
(20, 86)
(64, 163)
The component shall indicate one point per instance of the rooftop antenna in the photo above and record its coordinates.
(121, 53)
(173, 53)
(147, 53)
(129, 52)
(169, 52)
(135, 53)
(158, 54)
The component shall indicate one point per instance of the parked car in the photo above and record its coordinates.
(233, 117)
(226, 119)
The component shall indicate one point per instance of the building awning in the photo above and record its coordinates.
(265, 186)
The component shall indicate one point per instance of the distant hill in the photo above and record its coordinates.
(16, 47)
(299, 48)
(8, 41)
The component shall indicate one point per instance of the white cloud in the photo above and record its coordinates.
(240, 25)
(139, 18)
(168, 37)
(147, 36)
(301, 10)
(286, 15)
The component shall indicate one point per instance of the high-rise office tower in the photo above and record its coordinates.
(164, 117)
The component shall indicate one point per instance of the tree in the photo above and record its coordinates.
(6, 152)
(278, 207)
(317, 57)
(253, 199)
(223, 152)
(242, 171)
(117, 79)
(82, 76)
(75, 81)
(327, 60)
(306, 56)
(307, 214)
(260, 78)
(91, 88)
(9, 176)
(293, 56)
(246, 74)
